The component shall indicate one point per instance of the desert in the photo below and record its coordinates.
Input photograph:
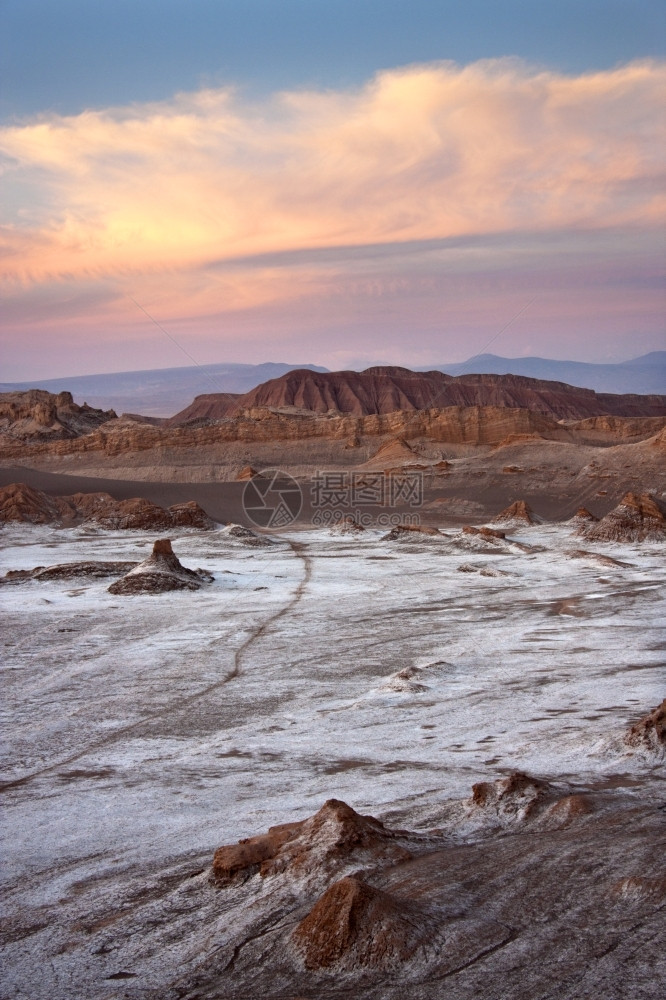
(316, 761)
(332, 500)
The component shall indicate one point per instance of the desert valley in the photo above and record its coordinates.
(385, 723)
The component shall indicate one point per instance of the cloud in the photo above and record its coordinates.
(436, 199)
(420, 153)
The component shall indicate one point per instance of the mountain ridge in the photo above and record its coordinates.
(164, 391)
(380, 390)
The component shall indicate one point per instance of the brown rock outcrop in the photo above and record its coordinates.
(37, 415)
(21, 503)
(519, 513)
(484, 531)
(190, 515)
(454, 425)
(332, 838)
(649, 733)
(618, 428)
(637, 518)
(509, 799)
(411, 532)
(385, 390)
(246, 473)
(207, 407)
(583, 517)
(160, 572)
(395, 450)
(356, 926)
(245, 535)
(68, 571)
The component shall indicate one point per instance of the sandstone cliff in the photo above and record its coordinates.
(385, 390)
(37, 415)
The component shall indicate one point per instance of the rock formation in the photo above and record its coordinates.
(638, 517)
(37, 415)
(24, 504)
(347, 526)
(509, 799)
(160, 572)
(245, 535)
(392, 451)
(190, 515)
(411, 532)
(333, 838)
(518, 513)
(404, 681)
(68, 571)
(387, 389)
(484, 531)
(303, 439)
(207, 407)
(246, 473)
(649, 733)
(355, 926)
(582, 518)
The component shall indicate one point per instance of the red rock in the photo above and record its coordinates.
(513, 797)
(21, 503)
(649, 732)
(354, 925)
(347, 526)
(567, 810)
(251, 852)
(385, 390)
(160, 572)
(332, 837)
(519, 512)
(37, 415)
(637, 518)
(246, 473)
(190, 515)
(410, 531)
(391, 451)
(583, 516)
(484, 531)
(209, 406)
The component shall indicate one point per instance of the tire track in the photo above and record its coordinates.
(300, 551)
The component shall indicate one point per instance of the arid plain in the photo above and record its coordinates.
(408, 748)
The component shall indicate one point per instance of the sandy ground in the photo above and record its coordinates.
(141, 733)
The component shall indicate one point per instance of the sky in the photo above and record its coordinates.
(326, 181)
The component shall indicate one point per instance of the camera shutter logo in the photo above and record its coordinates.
(272, 499)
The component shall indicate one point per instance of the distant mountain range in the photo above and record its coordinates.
(163, 392)
(159, 392)
(643, 375)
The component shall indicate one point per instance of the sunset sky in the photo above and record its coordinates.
(326, 181)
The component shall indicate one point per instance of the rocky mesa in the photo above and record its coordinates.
(388, 389)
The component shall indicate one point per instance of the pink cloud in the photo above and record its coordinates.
(152, 200)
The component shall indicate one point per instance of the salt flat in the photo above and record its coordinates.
(143, 730)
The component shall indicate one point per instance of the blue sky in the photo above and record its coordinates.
(329, 181)
(66, 55)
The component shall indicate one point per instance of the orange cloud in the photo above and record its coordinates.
(423, 152)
